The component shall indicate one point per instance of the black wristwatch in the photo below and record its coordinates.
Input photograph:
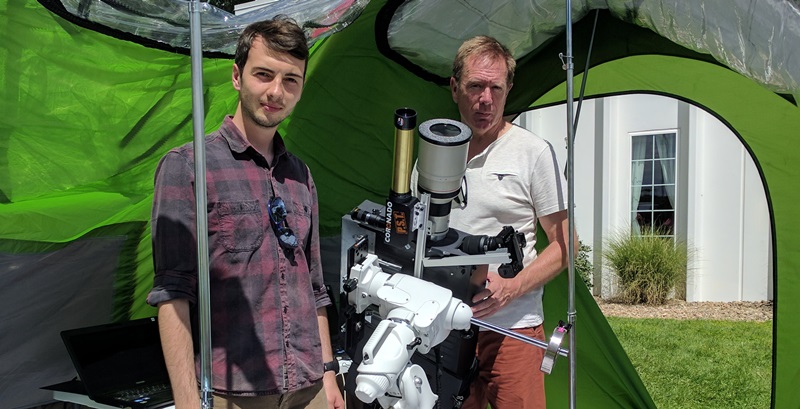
(331, 366)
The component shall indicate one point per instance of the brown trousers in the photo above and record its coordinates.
(508, 373)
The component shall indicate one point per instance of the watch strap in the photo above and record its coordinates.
(331, 366)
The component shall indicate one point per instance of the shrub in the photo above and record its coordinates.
(583, 267)
(648, 266)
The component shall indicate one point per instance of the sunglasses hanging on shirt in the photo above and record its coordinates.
(277, 217)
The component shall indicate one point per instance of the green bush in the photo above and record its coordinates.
(648, 266)
(583, 267)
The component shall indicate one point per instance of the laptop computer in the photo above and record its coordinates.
(121, 364)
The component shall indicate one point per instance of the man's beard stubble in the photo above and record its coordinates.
(262, 120)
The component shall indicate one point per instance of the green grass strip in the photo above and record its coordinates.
(700, 364)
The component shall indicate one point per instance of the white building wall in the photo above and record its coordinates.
(717, 203)
(726, 214)
(695, 234)
(731, 224)
(756, 249)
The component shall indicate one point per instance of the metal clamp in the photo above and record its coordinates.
(551, 353)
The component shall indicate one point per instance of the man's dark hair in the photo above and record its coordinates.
(280, 34)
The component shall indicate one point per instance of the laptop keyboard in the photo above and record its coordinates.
(143, 391)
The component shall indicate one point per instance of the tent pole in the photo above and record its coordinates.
(571, 315)
(204, 294)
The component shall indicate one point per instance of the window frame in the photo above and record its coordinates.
(651, 159)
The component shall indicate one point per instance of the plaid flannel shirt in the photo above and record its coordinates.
(265, 337)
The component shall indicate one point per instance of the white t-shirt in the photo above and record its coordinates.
(511, 183)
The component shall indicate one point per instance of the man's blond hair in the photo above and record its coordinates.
(483, 47)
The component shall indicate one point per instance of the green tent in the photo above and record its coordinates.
(89, 108)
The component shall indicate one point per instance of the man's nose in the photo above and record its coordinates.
(486, 96)
(275, 88)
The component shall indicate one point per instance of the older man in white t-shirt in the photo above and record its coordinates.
(512, 179)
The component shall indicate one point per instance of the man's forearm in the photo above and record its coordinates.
(332, 392)
(176, 341)
(324, 334)
(553, 259)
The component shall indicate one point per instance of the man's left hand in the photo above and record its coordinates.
(332, 391)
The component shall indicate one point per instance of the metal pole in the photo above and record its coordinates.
(198, 122)
(571, 315)
(519, 337)
(419, 253)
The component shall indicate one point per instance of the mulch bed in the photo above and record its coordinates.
(677, 309)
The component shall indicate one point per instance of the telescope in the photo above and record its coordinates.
(407, 278)
(443, 149)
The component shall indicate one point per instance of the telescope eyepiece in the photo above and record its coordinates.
(405, 119)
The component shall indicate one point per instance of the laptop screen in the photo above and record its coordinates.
(114, 357)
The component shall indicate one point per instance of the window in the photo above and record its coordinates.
(653, 184)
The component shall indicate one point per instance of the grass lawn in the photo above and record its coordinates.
(700, 364)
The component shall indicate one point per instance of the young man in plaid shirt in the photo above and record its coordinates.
(269, 329)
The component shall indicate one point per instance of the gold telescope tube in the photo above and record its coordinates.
(405, 120)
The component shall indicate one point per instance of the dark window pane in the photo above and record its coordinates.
(658, 179)
(670, 191)
(647, 178)
(645, 198)
(642, 172)
(661, 199)
(642, 147)
(637, 172)
(665, 145)
(664, 222)
(644, 221)
(664, 172)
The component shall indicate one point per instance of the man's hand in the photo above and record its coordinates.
(497, 294)
(548, 264)
(332, 391)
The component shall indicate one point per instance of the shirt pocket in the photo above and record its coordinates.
(241, 226)
(504, 184)
(501, 175)
(299, 219)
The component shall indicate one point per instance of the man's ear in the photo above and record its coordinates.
(508, 91)
(236, 78)
(453, 88)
